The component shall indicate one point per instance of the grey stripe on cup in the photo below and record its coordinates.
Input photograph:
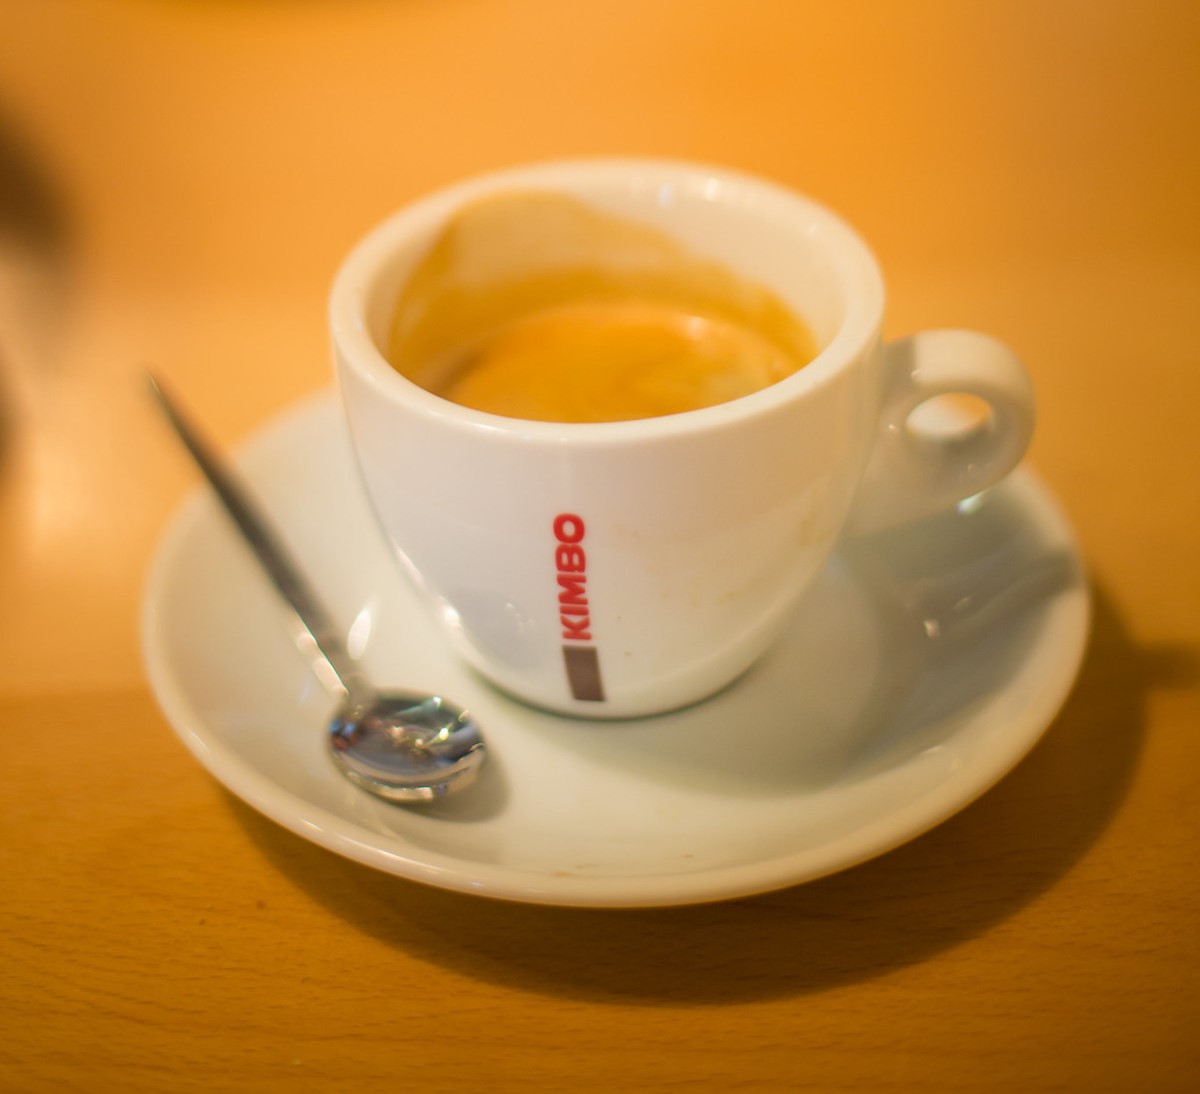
(583, 673)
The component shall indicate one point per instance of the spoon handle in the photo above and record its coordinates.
(264, 541)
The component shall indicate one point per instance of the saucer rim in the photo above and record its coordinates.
(343, 836)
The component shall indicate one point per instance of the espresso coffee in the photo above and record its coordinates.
(533, 305)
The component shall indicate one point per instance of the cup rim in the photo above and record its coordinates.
(856, 266)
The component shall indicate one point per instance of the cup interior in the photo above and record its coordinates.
(806, 255)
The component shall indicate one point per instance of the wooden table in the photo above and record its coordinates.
(181, 178)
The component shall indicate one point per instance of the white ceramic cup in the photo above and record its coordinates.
(626, 568)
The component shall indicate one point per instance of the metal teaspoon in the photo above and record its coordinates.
(401, 746)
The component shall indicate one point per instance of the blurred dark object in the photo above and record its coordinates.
(32, 216)
(35, 243)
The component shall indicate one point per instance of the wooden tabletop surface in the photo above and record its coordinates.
(178, 179)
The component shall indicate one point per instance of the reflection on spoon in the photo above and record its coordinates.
(401, 746)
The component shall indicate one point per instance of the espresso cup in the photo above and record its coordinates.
(625, 568)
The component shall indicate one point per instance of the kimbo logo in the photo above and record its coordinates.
(580, 657)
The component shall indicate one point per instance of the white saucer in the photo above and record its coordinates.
(923, 666)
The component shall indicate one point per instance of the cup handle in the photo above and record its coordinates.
(916, 469)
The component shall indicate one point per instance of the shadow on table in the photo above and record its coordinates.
(950, 885)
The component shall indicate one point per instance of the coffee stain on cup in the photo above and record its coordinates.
(532, 304)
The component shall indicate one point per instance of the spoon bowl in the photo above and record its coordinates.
(406, 747)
